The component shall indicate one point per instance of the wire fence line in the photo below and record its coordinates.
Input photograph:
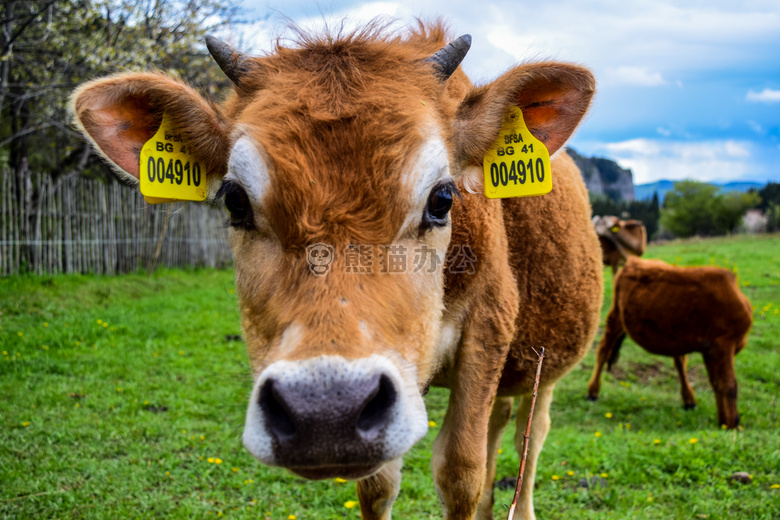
(78, 225)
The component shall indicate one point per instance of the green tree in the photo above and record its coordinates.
(48, 47)
(689, 209)
(730, 207)
(769, 193)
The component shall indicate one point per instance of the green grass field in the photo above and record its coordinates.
(125, 398)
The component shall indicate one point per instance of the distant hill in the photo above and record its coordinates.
(645, 191)
(605, 177)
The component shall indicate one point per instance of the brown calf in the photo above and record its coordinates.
(673, 311)
(619, 239)
(339, 161)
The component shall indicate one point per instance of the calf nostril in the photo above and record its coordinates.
(376, 411)
(276, 414)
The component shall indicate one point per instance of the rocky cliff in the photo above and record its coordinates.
(605, 177)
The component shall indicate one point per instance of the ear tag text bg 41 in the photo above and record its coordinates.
(518, 164)
(168, 170)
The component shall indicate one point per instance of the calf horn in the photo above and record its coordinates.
(446, 60)
(233, 63)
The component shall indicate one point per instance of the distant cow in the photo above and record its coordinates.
(673, 311)
(619, 239)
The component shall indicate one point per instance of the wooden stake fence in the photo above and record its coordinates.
(78, 225)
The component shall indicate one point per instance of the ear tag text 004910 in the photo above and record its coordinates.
(168, 171)
(518, 164)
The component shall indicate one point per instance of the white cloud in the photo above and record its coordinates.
(655, 159)
(636, 76)
(642, 43)
(765, 96)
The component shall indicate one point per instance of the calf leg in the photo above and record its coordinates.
(610, 342)
(540, 426)
(688, 397)
(378, 492)
(460, 450)
(499, 418)
(720, 368)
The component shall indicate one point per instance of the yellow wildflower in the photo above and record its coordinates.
(608, 415)
(26, 424)
(774, 486)
(570, 473)
(235, 470)
(339, 480)
(500, 451)
(555, 477)
(604, 475)
(431, 424)
(656, 441)
(693, 440)
(349, 504)
(217, 461)
(210, 460)
(597, 434)
(291, 517)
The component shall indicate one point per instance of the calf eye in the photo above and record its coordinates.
(439, 205)
(237, 204)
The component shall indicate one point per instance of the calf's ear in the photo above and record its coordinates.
(552, 96)
(120, 113)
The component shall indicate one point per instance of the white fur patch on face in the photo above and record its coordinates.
(431, 166)
(247, 167)
(291, 338)
(447, 343)
(408, 423)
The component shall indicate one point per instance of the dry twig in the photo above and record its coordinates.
(526, 436)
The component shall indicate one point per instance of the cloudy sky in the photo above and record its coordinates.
(687, 88)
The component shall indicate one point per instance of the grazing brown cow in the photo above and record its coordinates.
(673, 311)
(619, 239)
(339, 161)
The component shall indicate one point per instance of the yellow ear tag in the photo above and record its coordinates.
(615, 229)
(168, 170)
(518, 164)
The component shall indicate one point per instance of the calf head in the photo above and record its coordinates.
(628, 236)
(337, 161)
